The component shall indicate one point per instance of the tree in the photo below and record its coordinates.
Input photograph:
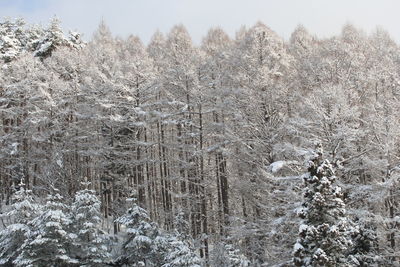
(27, 125)
(324, 235)
(180, 254)
(22, 211)
(52, 39)
(49, 243)
(139, 247)
(10, 44)
(225, 255)
(91, 242)
(216, 95)
(365, 245)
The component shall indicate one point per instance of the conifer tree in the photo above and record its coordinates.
(179, 248)
(324, 235)
(10, 45)
(53, 38)
(49, 243)
(226, 255)
(180, 254)
(91, 242)
(140, 247)
(22, 211)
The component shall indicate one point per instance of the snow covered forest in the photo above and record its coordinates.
(239, 151)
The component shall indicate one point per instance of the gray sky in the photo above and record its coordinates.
(142, 17)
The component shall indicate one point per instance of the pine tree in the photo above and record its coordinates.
(180, 254)
(91, 242)
(10, 45)
(365, 245)
(140, 247)
(22, 211)
(324, 235)
(226, 255)
(49, 243)
(53, 38)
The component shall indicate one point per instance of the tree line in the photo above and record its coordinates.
(216, 133)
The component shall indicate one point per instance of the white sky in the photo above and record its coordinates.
(142, 17)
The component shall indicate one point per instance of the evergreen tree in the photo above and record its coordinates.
(324, 235)
(53, 38)
(365, 245)
(49, 243)
(180, 254)
(91, 242)
(179, 248)
(225, 255)
(22, 211)
(10, 45)
(142, 243)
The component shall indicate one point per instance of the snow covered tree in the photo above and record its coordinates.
(217, 94)
(49, 243)
(180, 254)
(365, 245)
(225, 255)
(324, 236)
(10, 45)
(91, 243)
(53, 38)
(22, 211)
(75, 40)
(139, 247)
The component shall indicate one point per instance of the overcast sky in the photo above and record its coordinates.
(142, 17)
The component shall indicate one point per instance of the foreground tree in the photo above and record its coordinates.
(180, 250)
(142, 245)
(22, 211)
(226, 255)
(325, 233)
(91, 242)
(49, 243)
(180, 254)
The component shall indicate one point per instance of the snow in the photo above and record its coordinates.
(116, 117)
(302, 228)
(14, 148)
(16, 227)
(59, 163)
(44, 47)
(277, 165)
(297, 247)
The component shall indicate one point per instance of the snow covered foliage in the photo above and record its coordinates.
(146, 245)
(10, 44)
(179, 254)
(22, 211)
(324, 236)
(49, 243)
(365, 246)
(179, 250)
(139, 247)
(16, 37)
(226, 255)
(53, 38)
(211, 132)
(91, 243)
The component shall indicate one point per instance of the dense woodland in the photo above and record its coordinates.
(243, 151)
